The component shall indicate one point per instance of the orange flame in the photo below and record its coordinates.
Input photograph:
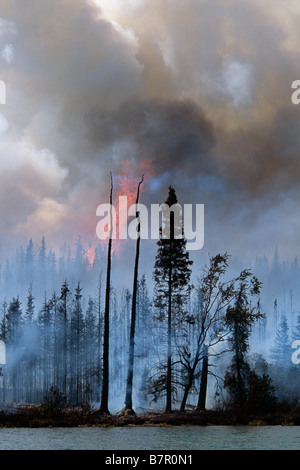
(125, 185)
(91, 254)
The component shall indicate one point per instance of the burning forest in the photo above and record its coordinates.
(149, 200)
(175, 342)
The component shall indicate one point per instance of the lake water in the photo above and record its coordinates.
(153, 438)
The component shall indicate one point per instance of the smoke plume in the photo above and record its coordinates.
(200, 89)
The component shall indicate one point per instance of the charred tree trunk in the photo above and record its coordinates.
(64, 294)
(169, 331)
(203, 383)
(239, 363)
(169, 350)
(187, 390)
(129, 382)
(99, 329)
(105, 359)
(191, 375)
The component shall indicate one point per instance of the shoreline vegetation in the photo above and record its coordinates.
(32, 416)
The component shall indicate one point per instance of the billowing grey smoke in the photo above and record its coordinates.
(174, 133)
(204, 90)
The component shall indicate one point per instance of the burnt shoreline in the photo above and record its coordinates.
(35, 416)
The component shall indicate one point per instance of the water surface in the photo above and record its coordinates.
(153, 438)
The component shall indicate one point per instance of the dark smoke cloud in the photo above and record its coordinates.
(201, 87)
(176, 134)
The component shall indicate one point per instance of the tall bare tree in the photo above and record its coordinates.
(129, 382)
(105, 359)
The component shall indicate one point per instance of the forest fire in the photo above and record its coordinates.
(124, 195)
(90, 254)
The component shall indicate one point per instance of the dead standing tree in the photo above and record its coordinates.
(105, 359)
(129, 383)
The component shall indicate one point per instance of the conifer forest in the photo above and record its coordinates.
(149, 211)
(193, 343)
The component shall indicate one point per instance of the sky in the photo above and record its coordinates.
(193, 93)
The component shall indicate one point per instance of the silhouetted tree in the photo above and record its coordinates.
(29, 262)
(105, 359)
(64, 293)
(281, 351)
(14, 342)
(76, 346)
(215, 292)
(171, 275)
(240, 318)
(42, 266)
(91, 352)
(45, 321)
(129, 382)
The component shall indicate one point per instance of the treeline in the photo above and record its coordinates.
(44, 270)
(185, 340)
(61, 344)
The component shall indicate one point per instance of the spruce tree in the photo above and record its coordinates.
(77, 322)
(63, 310)
(281, 351)
(42, 264)
(90, 339)
(171, 275)
(240, 317)
(29, 262)
(29, 354)
(296, 329)
(44, 320)
(14, 339)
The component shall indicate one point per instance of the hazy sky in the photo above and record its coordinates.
(197, 93)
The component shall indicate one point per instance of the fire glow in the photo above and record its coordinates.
(125, 185)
